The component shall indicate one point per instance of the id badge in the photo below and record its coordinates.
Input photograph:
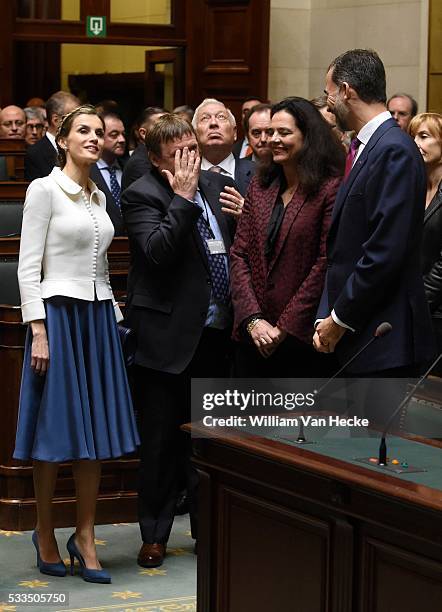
(216, 247)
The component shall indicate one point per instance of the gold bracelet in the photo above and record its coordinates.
(251, 324)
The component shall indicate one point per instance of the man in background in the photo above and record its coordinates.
(138, 163)
(242, 148)
(35, 124)
(108, 171)
(257, 124)
(41, 157)
(12, 122)
(403, 108)
(215, 128)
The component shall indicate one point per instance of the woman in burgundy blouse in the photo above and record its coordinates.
(278, 258)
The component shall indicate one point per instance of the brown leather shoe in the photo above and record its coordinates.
(151, 555)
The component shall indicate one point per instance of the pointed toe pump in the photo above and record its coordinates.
(89, 575)
(51, 569)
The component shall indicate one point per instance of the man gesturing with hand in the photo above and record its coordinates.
(178, 303)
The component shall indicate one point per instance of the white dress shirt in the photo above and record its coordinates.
(65, 237)
(102, 165)
(51, 139)
(227, 165)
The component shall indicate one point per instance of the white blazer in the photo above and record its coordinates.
(63, 245)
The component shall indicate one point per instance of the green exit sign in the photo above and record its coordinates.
(95, 26)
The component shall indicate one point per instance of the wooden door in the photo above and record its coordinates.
(155, 82)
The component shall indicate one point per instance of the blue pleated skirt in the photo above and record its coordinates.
(81, 408)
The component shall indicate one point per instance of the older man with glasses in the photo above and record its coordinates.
(35, 124)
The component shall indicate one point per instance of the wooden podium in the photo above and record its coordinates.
(284, 527)
(117, 498)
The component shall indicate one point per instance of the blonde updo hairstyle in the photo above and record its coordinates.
(434, 122)
(65, 127)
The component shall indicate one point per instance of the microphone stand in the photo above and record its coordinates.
(381, 330)
(382, 460)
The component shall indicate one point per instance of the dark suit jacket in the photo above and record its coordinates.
(169, 281)
(112, 208)
(236, 149)
(244, 171)
(137, 164)
(432, 254)
(40, 158)
(287, 288)
(373, 251)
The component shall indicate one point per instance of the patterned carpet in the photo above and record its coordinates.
(169, 587)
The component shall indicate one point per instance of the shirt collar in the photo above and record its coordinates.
(367, 131)
(51, 139)
(102, 164)
(227, 164)
(70, 186)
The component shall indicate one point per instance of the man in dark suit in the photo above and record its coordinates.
(107, 172)
(42, 157)
(242, 148)
(257, 126)
(138, 163)
(215, 128)
(178, 304)
(374, 241)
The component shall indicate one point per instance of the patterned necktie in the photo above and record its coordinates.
(218, 273)
(115, 187)
(216, 169)
(352, 152)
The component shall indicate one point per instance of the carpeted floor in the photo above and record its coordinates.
(169, 587)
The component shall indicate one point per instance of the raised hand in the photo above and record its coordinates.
(184, 181)
(232, 201)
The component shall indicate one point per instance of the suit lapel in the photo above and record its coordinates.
(357, 167)
(292, 211)
(242, 176)
(435, 204)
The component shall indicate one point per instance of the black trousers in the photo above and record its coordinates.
(162, 402)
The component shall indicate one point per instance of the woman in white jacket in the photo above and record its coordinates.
(74, 403)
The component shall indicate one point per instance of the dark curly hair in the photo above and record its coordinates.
(320, 157)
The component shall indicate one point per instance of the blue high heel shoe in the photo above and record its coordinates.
(90, 575)
(52, 569)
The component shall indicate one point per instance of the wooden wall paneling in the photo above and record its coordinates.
(6, 54)
(95, 7)
(227, 54)
(37, 67)
(245, 519)
(206, 515)
(396, 579)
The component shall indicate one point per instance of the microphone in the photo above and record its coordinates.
(382, 460)
(381, 330)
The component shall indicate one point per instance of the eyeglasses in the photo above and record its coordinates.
(34, 126)
(206, 117)
(8, 124)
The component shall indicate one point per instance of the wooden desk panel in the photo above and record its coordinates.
(287, 528)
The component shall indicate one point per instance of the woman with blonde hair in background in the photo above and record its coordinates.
(426, 129)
